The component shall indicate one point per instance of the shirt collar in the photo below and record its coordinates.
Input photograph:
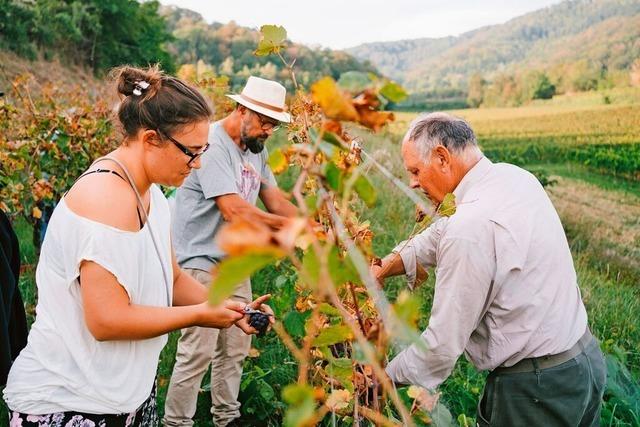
(477, 172)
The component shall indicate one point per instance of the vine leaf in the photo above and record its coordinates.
(333, 335)
(278, 161)
(393, 92)
(334, 176)
(338, 399)
(294, 323)
(366, 190)
(334, 102)
(448, 205)
(301, 411)
(354, 81)
(273, 39)
(233, 271)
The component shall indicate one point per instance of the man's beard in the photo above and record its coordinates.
(255, 145)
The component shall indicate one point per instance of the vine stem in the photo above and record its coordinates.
(371, 357)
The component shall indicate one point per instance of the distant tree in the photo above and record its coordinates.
(476, 90)
(17, 24)
(95, 33)
(544, 89)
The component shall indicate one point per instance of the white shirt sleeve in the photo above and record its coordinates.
(421, 249)
(463, 279)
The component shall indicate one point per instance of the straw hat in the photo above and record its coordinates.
(265, 97)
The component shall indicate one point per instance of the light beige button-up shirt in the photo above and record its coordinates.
(505, 288)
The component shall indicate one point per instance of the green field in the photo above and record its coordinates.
(591, 153)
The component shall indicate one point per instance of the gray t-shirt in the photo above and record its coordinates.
(225, 169)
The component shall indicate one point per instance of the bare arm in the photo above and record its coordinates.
(233, 206)
(111, 316)
(275, 202)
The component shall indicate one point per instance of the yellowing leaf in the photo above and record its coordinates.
(287, 235)
(239, 237)
(233, 271)
(338, 399)
(374, 120)
(334, 103)
(407, 308)
(273, 38)
(254, 352)
(414, 391)
(393, 92)
(36, 212)
(425, 399)
(333, 335)
(448, 205)
(278, 161)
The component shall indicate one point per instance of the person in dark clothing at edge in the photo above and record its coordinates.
(13, 323)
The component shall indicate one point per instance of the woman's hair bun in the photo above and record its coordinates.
(150, 99)
(142, 82)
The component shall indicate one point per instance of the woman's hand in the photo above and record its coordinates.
(257, 304)
(220, 316)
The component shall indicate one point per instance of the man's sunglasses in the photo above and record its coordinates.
(192, 156)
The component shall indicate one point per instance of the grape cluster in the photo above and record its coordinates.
(260, 321)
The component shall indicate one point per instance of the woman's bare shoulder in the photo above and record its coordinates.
(104, 198)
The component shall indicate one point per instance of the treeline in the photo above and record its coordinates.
(227, 49)
(518, 88)
(100, 34)
(93, 33)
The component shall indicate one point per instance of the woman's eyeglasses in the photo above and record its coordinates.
(192, 156)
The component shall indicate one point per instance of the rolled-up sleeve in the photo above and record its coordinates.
(464, 274)
(420, 249)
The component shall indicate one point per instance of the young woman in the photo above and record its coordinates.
(109, 287)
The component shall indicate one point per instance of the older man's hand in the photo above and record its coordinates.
(377, 271)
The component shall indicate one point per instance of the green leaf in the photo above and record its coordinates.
(301, 404)
(354, 81)
(441, 417)
(312, 203)
(311, 265)
(365, 190)
(448, 205)
(393, 92)
(278, 161)
(333, 335)
(342, 369)
(334, 176)
(234, 270)
(273, 38)
(294, 322)
(341, 269)
(328, 309)
(265, 390)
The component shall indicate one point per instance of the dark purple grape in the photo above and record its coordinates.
(260, 321)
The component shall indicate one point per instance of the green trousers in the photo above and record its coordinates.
(569, 394)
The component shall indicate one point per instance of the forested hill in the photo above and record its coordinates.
(100, 34)
(227, 49)
(579, 39)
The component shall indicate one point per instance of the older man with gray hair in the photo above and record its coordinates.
(506, 292)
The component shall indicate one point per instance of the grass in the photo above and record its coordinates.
(600, 214)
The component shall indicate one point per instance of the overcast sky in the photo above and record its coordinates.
(346, 23)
